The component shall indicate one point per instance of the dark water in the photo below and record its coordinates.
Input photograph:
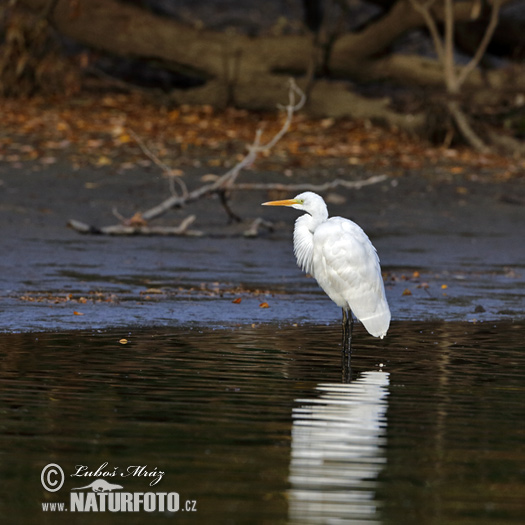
(254, 425)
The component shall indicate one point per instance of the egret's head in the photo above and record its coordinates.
(307, 201)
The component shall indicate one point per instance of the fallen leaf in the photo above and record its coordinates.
(136, 220)
(174, 173)
(237, 301)
(123, 341)
(124, 138)
(103, 160)
(264, 305)
(77, 313)
(209, 177)
(406, 291)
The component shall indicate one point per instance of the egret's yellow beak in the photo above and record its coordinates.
(285, 202)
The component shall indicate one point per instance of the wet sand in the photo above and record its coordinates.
(451, 249)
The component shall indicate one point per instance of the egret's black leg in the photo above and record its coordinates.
(348, 324)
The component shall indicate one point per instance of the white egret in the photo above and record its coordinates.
(339, 254)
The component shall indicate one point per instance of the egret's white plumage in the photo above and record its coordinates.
(339, 254)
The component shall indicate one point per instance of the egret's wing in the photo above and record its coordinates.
(346, 266)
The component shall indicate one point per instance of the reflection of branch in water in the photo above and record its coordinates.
(338, 451)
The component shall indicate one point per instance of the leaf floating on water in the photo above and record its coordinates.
(406, 291)
(77, 313)
(237, 301)
(123, 341)
(264, 305)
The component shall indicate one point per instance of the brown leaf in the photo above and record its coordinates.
(136, 220)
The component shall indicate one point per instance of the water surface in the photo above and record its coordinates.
(255, 426)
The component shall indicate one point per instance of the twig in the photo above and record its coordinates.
(482, 47)
(164, 167)
(226, 205)
(424, 11)
(253, 230)
(352, 184)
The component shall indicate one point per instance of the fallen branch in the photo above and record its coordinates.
(124, 229)
(253, 230)
(226, 181)
(138, 224)
(336, 183)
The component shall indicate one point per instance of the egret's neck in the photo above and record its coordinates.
(303, 239)
(312, 221)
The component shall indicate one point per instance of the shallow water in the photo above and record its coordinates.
(254, 425)
(101, 283)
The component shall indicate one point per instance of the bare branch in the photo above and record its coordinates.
(482, 47)
(253, 230)
(448, 58)
(465, 128)
(164, 167)
(424, 11)
(351, 184)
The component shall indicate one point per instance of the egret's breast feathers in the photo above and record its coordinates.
(346, 266)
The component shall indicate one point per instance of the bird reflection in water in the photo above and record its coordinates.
(337, 452)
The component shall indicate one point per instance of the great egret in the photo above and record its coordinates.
(339, 254)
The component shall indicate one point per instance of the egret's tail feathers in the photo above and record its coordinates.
(377, 324)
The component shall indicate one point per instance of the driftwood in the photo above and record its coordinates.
(227, 66)
(222, 186)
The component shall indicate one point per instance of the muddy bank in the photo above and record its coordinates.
(451, 249)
